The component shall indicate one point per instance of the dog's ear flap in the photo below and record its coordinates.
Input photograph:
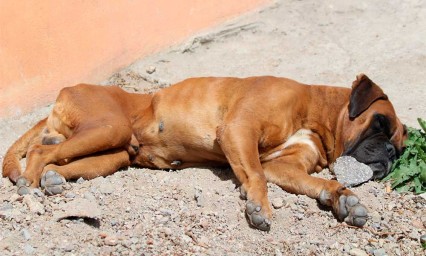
(364, 93)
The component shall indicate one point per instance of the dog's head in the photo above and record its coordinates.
(371, 131)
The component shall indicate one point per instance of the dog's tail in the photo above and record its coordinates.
(11, 165)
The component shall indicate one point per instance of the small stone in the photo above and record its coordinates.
(80, 180)
(28, 249)
(38, 192)
(69, 248)
(26, 234)
(278, 252)
(106, 188)
(150, 69)
(203, 241)
(278, 203)
(15, 197)
(33, 204)
(89, 196)
(70, 195)
(413, 235)
(379, 252)
(199, 197)
(111, 240)
(375, 216)
(357, 252)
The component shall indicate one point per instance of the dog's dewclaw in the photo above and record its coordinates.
(350, 172)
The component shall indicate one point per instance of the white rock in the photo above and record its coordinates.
(34, 205)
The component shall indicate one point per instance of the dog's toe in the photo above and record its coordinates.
(257, 217)
(23, 186)
(52, 183)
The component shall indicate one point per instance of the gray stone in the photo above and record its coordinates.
(350, 172)
(105, 188)
(89, 196)
(80, 208)
(278, 203)
(357, 252)
(34, 205)
(150, 69)
(26, 234)
(38, 192)
(80, 180)
(28, 249)
(379, 252)
(70, 195)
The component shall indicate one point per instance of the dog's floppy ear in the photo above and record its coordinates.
(364, 93)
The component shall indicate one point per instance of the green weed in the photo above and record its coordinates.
(408, 173)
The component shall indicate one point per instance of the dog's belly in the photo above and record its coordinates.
(185, 146)
(182, 131)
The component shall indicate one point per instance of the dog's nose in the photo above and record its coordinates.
(391, 150)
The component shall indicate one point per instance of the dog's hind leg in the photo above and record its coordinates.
(94, 138)
(290, 171)
(54, 176)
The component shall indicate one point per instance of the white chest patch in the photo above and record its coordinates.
(302, 136)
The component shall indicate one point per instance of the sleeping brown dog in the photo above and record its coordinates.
(267, 129)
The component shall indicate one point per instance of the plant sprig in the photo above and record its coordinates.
(408, 173)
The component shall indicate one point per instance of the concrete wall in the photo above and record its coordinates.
(46, 45)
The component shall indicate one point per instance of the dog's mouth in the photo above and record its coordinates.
(375, 151)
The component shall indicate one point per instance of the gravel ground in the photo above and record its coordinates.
(198, 211)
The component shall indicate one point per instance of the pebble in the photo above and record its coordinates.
(15, 197)
(111, 240)
(278, 252)
(26, 234)
(70, 195)
(105, 188)
(33, 204)
(28, 249)
(89, 196)
(80, 180)
(199, 197)
(278, 203)
(38, 192)
(379, 252)
(69, 247)
(357, 252)
(150, 69)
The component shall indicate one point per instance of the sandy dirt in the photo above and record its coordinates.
(198, 211)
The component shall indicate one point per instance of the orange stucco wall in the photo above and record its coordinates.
(46, 45)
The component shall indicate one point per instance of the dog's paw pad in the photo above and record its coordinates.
(23, 186)
(257, 217)
(52, 183)
(351, 211)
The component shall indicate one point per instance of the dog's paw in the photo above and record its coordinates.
(347, 207)
(53, 183)
(257, 217)
(23, 186)
(351, 211)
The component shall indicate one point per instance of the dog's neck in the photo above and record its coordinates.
(328, 124)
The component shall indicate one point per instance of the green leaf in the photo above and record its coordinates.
(408, 172)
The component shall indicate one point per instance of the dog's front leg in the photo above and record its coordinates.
(240, 146)
(290, 171)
